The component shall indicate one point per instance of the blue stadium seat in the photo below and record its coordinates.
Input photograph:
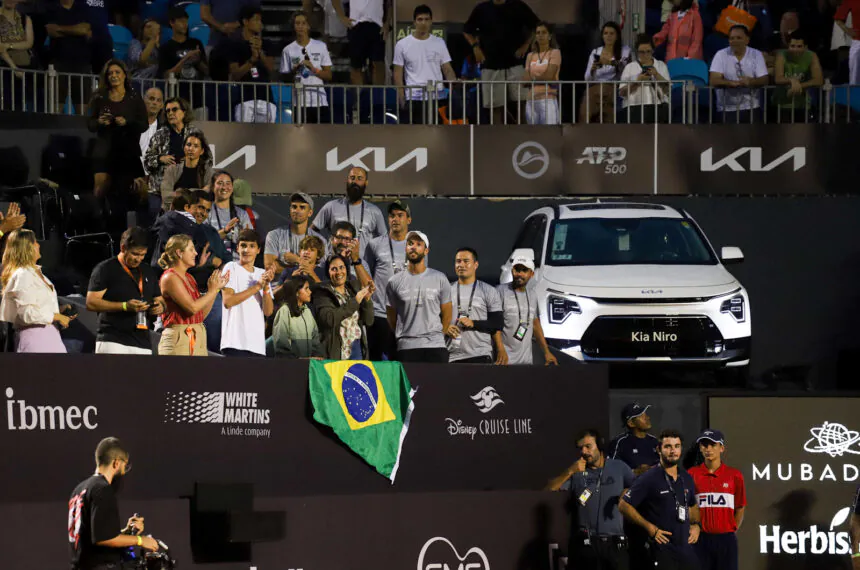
(683, 69)
(121, 39)
(193, 10)
(282, 97)
(200, 32)
(376, 103)
(847, 96)
(341, 103)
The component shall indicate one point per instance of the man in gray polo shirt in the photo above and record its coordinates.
(282, 243)
(596, 483)
(419, 305)
(477, 313)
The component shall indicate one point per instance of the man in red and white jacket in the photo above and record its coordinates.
(722, 498)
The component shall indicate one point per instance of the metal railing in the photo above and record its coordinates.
(452, 102)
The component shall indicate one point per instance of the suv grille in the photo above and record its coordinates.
(633, 337)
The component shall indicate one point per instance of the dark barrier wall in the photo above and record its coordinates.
(799, 461)
(58, 407)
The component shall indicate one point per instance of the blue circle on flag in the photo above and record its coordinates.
(360, 394)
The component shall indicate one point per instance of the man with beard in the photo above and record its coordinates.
(124, 291)
(385, 257)
(663, 502)
(282, 243)
(478, 313)
(521, 318)
(419, 305)
(96, 540)
(344, 243)
(364, 216)
(595, 483)
(722, 500)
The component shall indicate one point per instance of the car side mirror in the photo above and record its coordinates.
(730, 255)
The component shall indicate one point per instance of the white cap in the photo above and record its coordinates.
(421, 235)
(524, 257)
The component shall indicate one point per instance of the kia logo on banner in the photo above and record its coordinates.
(379, 163)
(444, 556)
(733, 161)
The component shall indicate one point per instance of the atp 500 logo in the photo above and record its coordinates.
(439, 553)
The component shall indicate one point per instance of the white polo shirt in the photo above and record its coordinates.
(752, 65)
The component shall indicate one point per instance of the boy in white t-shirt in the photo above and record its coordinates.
(419, 58)
(307, 60)
(247, 301)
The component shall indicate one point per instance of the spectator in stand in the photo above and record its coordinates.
(478, 313)
(420, 58)
(178, 220)
(184, 334)
(193, 172)
(205, 234)
(334, 32)
(605, 64)
(543, 64)
(851, 7)
(739, 68)
(499, 33)
(154, 101)
(29, 300)
(798, 68)
(385, 257)
(118, 116)
(181, 55)
(225, 216)
(143, 57)
(344, 243)
(682, 31)
(295, 333)
(419, 305)
(647, 99)
(16, 36)
(248, 63)
(70, 50)
(167, 146)
(371, 223)
(222, 17)
(248, 301)
(124, 290)
(514, 341)
(311, 255)
(13, 220)
(780, 38)
(343, 309)
(283, 243)
(308, 61)
(368, 25)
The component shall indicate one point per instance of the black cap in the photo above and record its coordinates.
(633, 410)
(400, 205)
(714, 435)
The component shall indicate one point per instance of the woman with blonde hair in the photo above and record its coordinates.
(29, 298)
(184, 334)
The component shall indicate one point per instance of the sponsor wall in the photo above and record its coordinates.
(799, 458)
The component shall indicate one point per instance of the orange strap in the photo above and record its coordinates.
(192, 339)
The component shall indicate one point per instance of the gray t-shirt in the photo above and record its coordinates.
(282, 240)
(519, 307)
(220, 217)
(381, 268)
(600, 514)
(366, 217)
(485, 300)
(418, 301)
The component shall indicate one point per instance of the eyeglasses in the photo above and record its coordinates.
(739, 69)
(341, 238)
(173, 109)
(127, 465)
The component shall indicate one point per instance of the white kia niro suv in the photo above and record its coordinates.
(627, 282)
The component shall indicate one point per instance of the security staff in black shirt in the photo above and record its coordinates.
(663, 502)
(96, 540)
(635, 447)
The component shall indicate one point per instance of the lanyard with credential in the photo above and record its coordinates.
(471, 297)
(672, 490)
(391, 249)
(139, 279)
(528, 308)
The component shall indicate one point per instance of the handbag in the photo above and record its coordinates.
(734, 15)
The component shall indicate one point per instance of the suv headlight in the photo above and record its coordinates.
(736, 307)
(560, 308)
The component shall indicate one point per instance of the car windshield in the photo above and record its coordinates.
(627, 241)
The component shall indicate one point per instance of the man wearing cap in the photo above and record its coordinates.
(635, 447)
(477, 313)
(521, 318)
(419, 305)
(721, 497)
(366, 217)
(663, 502)
(384, 257)
(282, 243)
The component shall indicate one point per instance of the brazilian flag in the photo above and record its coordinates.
(367, 404)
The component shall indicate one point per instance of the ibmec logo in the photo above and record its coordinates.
(812, 541)
(21, 416)
(612, 157)
(444, 556)
(797, 155)
(380, 160)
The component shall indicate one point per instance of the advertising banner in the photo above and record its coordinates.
(799, 458)
(520, 161)
(608, 159)
(474, 427)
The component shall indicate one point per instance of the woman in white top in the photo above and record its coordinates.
(647, 99)
(604, 65)
(308, 62)
(543, 64)
(29, 299)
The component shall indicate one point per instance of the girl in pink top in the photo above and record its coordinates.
(543, 64)
(683, 31)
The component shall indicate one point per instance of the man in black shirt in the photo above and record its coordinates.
(245, 56)
(123, 290)
(181, 55)
(96, 540)
(71, 49)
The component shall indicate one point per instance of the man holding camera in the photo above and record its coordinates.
(96, 540)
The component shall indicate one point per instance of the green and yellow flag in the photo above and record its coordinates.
(367, 404)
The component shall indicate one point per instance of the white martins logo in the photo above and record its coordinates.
(440, 557)
(487, 399)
